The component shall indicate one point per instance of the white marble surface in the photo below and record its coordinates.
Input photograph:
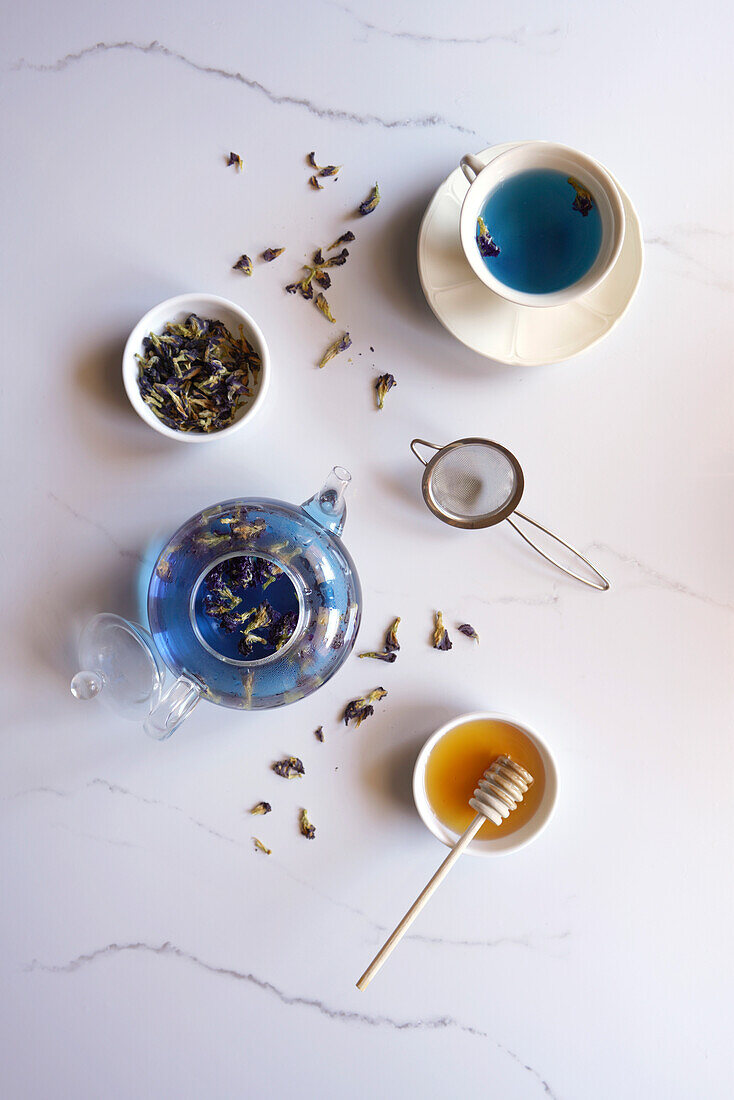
(147, 950)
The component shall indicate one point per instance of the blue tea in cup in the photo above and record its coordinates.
(541, 224)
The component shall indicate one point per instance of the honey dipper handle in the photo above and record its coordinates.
(395, 937)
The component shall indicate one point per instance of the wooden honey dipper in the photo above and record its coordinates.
(498, 793)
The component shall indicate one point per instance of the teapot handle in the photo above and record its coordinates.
(173, 709)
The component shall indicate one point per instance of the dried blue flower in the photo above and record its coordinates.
(195, 374)
(282, 630)
(441, 638)
(334, 261)
(392, 645)
(244, 264)
(346, 238)
(307, 829)
(323, 305)
(370, 203)
(391, 638)
(469, 631)
(338, 346)
(315, 183)
(319, 733)
(383, 385)
(583, 201)
(271, 254)
(261, 847)
(261, 808)
(323, 278)
(322, 170)
(235, 160)
(485, 244)
(358, 709)
(289, 767)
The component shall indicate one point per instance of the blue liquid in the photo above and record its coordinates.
(545, 245)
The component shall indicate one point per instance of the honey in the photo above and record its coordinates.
(459, 759)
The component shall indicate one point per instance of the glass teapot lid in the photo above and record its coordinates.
(120, 665)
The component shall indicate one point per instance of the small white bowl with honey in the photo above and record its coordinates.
(450, 765)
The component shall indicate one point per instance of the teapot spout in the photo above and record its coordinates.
(328, 506)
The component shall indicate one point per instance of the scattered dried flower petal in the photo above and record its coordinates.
(358, 709)
(315, 183)
(289, 767)
(389, 657)
(338, 346)
(334, 261)
(391, 638)
(323, 278)
(235, 160)
(370, 202)
(271, 254)
(261, 808)
(322, 170)
(485, 244)
(583, 201)
(244, 264)
(261, 847)
(345, 238)
(308, 830)
(323, 305)
(383, 385)
(441, 638)
(319, 733)
(470, 632)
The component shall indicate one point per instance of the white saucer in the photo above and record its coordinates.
(500, 330)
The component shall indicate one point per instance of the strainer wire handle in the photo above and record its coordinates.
(602, 585)
(425, 444)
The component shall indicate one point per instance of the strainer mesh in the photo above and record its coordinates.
(472, 480)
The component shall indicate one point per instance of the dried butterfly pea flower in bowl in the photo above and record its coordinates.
(196, 368)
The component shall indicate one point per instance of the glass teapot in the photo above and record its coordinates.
(252, 604)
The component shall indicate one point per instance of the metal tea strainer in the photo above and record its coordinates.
(474, 483)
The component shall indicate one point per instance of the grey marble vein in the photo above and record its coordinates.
(528, 940)
(158, 49)
(122, 550)
(551, 599)
(39, 790)
(519, 37)
(115, 788)
(661, 580)
(673, 243)
(518, 941)
(95, 836)
(435, 1023)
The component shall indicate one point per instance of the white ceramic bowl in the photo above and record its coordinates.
(177, 309)
(521, 158)
(502, 844)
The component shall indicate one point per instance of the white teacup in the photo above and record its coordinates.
(527, 156)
